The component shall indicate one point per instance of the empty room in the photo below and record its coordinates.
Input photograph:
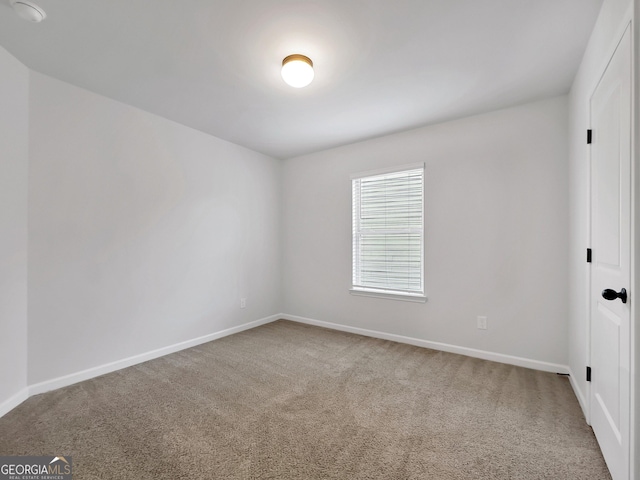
(319, 239)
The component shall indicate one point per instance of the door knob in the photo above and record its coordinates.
(609, 294)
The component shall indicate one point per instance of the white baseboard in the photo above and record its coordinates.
(580, 396)
(89, 373)
(93, 372)
(13, 401)
(445, 347)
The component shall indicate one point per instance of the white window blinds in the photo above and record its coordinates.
(388, 228)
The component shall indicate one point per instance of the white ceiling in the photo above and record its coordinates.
(381, 65)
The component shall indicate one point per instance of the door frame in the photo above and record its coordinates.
(634, 386)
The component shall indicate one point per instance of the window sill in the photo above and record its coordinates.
(391, 296)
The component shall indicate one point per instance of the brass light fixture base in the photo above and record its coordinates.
(297, 56)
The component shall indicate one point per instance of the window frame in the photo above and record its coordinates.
(361, 290)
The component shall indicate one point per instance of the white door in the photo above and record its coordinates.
(610, 269)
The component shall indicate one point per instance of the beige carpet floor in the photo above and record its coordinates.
(291, 401)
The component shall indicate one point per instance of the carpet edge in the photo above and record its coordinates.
(13, 401)
(445, 347)
(70, 379)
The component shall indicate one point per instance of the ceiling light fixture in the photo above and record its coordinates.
(297, 70)
(28, 11)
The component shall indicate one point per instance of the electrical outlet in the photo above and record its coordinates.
(482, 323)
(243, 303)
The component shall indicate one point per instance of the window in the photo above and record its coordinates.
(388, 233)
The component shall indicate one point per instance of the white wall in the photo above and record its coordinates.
(14, 90)
(142, 233)
(496, 233)
(14, 125)
(606, 33)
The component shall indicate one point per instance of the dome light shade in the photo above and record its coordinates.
(297, 70)
(28, 11)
